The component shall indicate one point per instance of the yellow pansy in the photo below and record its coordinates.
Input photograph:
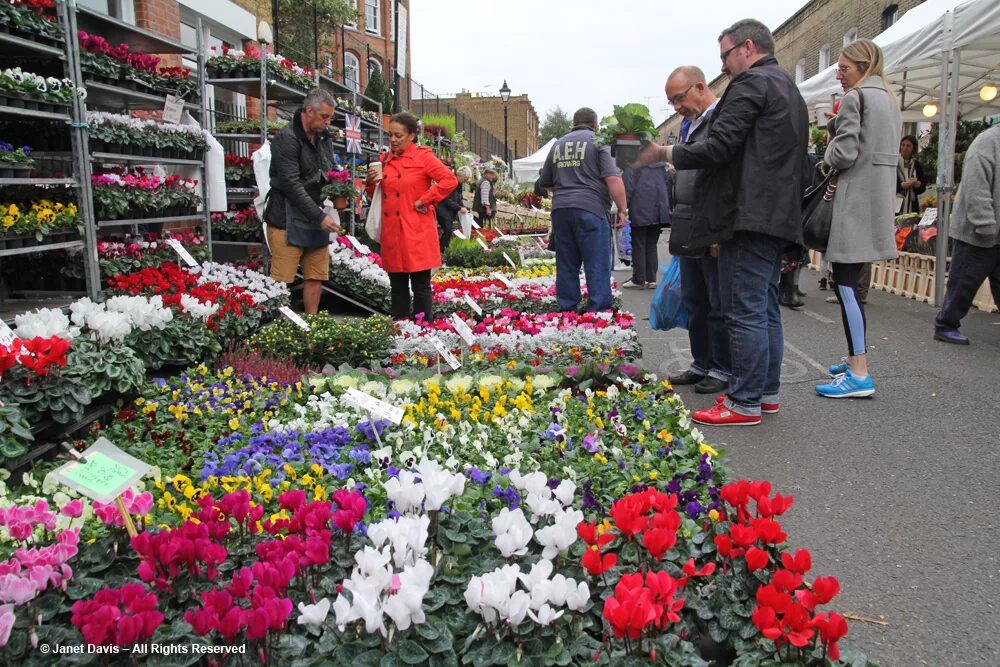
(707, 449)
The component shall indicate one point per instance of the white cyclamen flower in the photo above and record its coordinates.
(513, 532)
(314, 614)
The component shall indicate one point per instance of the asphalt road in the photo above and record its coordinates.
(895, 495)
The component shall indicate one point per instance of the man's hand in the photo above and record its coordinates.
(713, 250)
(649, 154)
(329, 225)
(621, 219)
(420, 206)
(489, 212)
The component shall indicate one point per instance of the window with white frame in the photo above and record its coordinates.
(890, 16)
(352, 71)
(374, 65)
(824, 57)
(850, 36)
(372, 16)
(800, 71)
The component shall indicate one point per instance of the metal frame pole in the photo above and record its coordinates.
(203, 120)
(946, 154)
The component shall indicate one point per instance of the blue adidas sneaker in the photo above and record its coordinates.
(846, 385)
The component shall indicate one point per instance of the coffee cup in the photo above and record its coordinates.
(820, 111)
(375, 171)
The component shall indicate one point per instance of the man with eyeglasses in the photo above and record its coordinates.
(689, 95)
(748, 199)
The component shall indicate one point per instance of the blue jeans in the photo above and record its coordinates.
(706, 318)
(582, 238)
(749, 269)
(970, 266)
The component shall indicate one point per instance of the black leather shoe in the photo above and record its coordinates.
(687, 377)
(711, 385)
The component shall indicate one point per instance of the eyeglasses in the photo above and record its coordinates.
(843, 69)
(674, 101)
(725, 54)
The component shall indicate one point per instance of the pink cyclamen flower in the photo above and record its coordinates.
(7, 619)
(72, 509)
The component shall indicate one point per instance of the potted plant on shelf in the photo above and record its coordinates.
(340, 188)
(626, 130)
(15, 162)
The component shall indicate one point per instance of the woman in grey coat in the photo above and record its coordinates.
(863, 147)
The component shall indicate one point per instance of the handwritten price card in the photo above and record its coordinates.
(103, 473)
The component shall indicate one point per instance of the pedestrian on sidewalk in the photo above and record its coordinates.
(864, 139)
(689, 95)
(749, 197)
(584, 180)
(414, 181)
(648, 192)
(975, 226)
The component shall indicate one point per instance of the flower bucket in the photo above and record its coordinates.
(340, 203)
(625, 149)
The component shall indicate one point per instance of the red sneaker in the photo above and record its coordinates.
(720, 415)
(770, 408)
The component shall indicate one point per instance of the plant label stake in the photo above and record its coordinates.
(7, 336)
(483, 243)
(102, 473)
(459, 234)
(182, 252)
(475, 225)
(445, 353)
(378, 407)
(473, 305)
(501, 277)
(463, 330)
(295, 318)
(928, 218)
(173, 109)
(357, 245)
(510, 261)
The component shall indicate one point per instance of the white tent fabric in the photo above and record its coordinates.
(526, 169)
(913, 47)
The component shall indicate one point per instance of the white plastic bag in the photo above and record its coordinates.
(373, 223)
(467, 221)
(262, 173)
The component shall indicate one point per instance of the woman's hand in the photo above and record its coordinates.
(420, 206)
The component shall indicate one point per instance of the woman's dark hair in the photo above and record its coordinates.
(407, 120)
(913, 142)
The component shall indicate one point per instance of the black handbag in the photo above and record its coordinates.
(300, 233)
(817, 204)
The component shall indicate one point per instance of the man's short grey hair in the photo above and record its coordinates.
(753, 30)
(691, 74)
(465, 171)
(317, 97)
(585, 116)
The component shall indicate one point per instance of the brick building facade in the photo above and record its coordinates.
(487, 111)
(811, 39)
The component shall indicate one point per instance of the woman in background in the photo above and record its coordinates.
(910, 182)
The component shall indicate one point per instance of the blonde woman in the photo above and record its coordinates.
(864, 144)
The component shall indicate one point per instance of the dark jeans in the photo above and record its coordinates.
(970, 266)
(848, 279)
(582, 238)
(423, 298)
(706, 319)
(749, 269)
(445, 231)
(645, 260)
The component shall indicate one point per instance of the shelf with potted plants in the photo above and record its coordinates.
(240, 71)
(239, 227)
(30, 27)
(122, 199)
(245, 129)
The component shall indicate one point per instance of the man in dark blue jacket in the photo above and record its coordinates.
(748, 195)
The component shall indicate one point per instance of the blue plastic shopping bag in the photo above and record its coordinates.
(667, 310)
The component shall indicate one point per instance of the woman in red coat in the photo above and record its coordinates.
(413, 181)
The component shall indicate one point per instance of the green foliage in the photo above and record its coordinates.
(295, 20)
(469, 254)
(245, 126)
(556, 124)
(379, 90)
(104, 368)
(15, 436)
(330, 342)
(440, 121)
(184, 338)
(632, 118)
(61, 398)
(965, 132)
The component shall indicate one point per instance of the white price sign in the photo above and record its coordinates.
(182, 252)
(6, 335)
(472, 304)
(509, 260)
(445, 353)
(928, 218)
(483, 244)
(374, 406)
(501, 277)
(357, 245)
(463, 330)
(295, 318)
(173, 109)
(475, 225)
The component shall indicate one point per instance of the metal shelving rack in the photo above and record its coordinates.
(45, 56)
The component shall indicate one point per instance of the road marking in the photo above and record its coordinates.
(816, 316)
(812, 362)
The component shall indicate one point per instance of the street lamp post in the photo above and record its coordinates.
(505, 96)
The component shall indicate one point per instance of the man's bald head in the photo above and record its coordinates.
(688, 92)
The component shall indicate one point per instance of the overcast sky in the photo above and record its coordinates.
(574, 53)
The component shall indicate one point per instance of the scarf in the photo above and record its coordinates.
(906, 170)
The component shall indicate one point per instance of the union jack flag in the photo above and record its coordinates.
(352, 133)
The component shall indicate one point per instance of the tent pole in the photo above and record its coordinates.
(946, 154)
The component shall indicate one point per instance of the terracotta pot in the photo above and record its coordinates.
(629, 136)
(340, 203)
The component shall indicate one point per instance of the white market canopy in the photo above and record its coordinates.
(526, 169)
(913, 49)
